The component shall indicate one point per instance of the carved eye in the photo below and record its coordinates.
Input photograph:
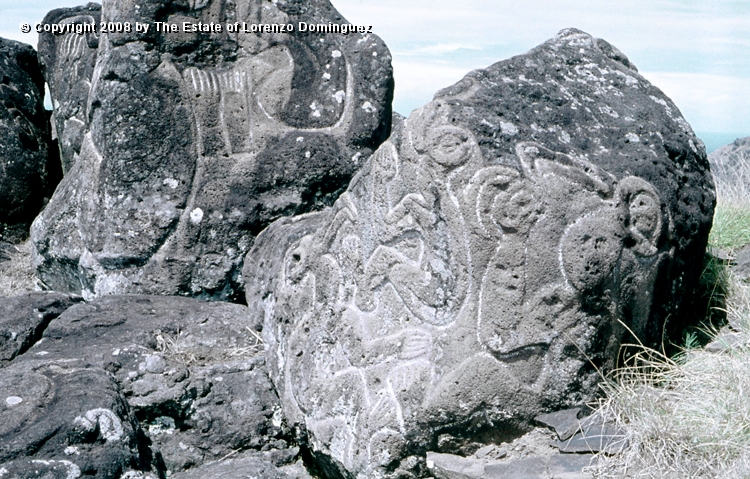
(516, 207)
(449, 146)
(644, 215)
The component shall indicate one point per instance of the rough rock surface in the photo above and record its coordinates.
(24, 318)
(742, 268)
(25, 182)
(183, 378)
(197, 141)
(568, 466)
(479, 267)
(250, 467)
(68, 61)
(68, 418)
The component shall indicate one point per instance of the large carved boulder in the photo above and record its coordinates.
(25, 182)
(196, 141)
(484, 265)
(68, 62)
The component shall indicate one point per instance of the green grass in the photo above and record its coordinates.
(731, 228)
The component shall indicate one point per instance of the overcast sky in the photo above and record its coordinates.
(696, 51)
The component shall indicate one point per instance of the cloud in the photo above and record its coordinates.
(438, 49)
(710, 103)
(417, 82)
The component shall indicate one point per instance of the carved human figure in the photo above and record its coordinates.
(395, 243)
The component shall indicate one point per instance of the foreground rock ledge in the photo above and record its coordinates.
(191, 143)
(129, 387)
(485, 261)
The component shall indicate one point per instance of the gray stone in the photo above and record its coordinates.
(595, 436)
(742, 267)
(449, 466)
(189, 369)
(197, 141)
(564, 422)
(474, 275)
(24, 318)
(558, 466)
(729, 166)
(67, 61)
(25, 182)
(720, 254)
(67, 422)
(250, 467)
(726, 340)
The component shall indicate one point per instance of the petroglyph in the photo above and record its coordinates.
(443, 286)
(228, 120)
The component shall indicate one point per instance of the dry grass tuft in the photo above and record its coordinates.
(732, 177)
(689, 416)
(16, 273)
(190, 352)
(731, 228)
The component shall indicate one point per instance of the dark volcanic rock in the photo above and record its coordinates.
(197, 141)
(24, 318)
(68, 61)
(481, 270)
(188, 369)
(24, 140)
(67, 421)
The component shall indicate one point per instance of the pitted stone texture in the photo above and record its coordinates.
(189, 370)
(196, 142)
(65, 421)
(475, 275)
(23, 320)
(24, 140)
(68, 64)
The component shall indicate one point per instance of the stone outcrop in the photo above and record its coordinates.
(68, 62)
(487, 263)
(25, 179)
(194, 142)
(250, 467)
(47, 424)
(139, 385)
(730, 166)
(24, 318)
(571, 466)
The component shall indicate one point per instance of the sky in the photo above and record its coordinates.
(697, 52)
